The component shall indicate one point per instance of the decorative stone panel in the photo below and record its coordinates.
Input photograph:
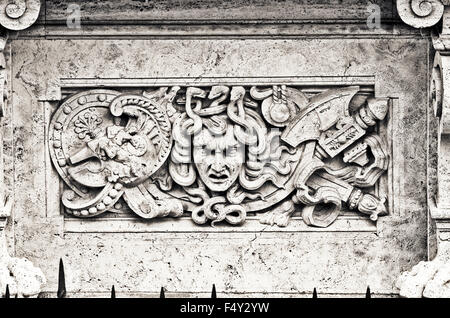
(222, 152)
(233, 256)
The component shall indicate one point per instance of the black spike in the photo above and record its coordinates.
(162, 293)
(314, 293)
(368, 294)
(213, 292)
(61, 281)
(7, 292)
(113, 292)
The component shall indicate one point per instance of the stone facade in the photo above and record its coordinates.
(240, 144)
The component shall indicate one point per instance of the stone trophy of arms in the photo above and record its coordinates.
(217, 153)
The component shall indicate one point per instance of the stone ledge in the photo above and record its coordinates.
(185, 225)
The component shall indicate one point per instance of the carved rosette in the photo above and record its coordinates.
(220, 152)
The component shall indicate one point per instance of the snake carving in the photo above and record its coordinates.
(219, 153)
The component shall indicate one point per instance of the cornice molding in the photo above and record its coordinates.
(18, 15)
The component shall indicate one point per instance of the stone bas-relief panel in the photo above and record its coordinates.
(188, 259)
(221, 152)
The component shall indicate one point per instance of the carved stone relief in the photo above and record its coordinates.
(221, 152)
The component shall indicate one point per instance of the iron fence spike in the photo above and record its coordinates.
(368, 294)
(61, 281)
(213, 292)
(162, 293)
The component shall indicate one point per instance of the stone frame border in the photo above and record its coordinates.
(345, 223)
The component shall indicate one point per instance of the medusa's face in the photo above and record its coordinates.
(218, 158)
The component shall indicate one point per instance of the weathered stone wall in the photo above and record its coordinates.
(321, 42)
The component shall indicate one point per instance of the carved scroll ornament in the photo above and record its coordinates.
(220, 153)
(18, 14)
(420, 13)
